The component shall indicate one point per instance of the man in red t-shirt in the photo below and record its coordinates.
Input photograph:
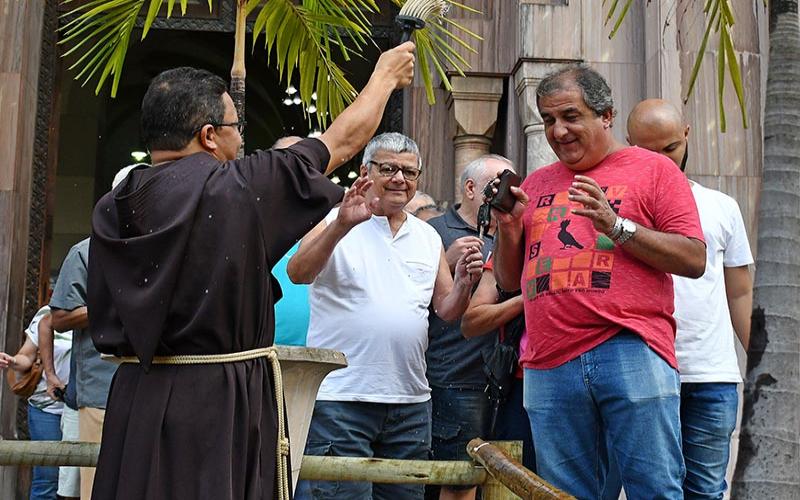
(592, 241)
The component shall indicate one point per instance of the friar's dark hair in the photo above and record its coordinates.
(177, 103)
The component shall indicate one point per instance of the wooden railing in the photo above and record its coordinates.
(497, 469)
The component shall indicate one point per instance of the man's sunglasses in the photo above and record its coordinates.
(390, 169)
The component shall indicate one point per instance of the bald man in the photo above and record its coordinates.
(708, 311)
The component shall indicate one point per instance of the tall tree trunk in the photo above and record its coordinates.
(238, 70)
(769, 445)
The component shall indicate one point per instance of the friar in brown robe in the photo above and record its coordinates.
(179, 263)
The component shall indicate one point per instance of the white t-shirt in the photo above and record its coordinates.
(62, 346)
(371, 302)
(705, 338)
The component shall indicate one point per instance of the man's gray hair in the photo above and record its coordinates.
(595, 89)
(475, 168)
(391, 142)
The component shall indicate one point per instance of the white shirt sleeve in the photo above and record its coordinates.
(737, 248)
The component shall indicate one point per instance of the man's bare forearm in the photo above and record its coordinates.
(64, 321)
(739, 292)
(351, 131)
(484, 318)
(46, 339)
(453, 305)
(670, 253)
(508, 256)
(311, 257)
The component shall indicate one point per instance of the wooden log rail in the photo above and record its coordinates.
(511, 474)
(504, 472)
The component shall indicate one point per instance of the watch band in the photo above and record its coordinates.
(616, 230)
(626, 234)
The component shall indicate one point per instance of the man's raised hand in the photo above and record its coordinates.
(470, 265)
(587, 192)
(457, 248)
(355, 207)
(397, 65)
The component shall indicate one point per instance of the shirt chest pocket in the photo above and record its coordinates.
(420, 273)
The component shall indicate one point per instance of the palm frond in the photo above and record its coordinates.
(435, 52)
(305, 38)
(105, 26)
(720, 19)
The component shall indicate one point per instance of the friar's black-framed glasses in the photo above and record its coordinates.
(390, 169)
(240, 125)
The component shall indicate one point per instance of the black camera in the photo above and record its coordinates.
(504, 200)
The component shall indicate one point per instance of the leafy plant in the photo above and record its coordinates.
(719, 18)
(305, 37)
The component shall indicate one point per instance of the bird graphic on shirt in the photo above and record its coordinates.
(566, 238)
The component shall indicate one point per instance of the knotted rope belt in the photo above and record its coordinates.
(282, 451)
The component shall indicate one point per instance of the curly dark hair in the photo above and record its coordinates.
(595, 89)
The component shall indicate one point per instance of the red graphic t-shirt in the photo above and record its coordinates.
(580, 288)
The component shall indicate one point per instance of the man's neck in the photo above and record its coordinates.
(396, 220)
(469, 214)
(167, 155)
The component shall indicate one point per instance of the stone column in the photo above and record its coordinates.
(474, 101)
(537, 151)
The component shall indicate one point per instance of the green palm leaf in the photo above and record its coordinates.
(435, 52)
(720, 19)
(304, 38)
(105, 26)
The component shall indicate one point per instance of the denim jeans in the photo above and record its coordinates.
(618, 400)
(44, 426)
(350, 429)
(708, 417)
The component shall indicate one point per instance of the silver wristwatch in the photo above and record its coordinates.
(627, 228)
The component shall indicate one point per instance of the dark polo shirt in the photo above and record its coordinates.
(454, 361)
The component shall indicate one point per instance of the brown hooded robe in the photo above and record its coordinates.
(179, 263)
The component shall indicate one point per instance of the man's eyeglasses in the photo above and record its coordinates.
(390, 169)
(239, 125)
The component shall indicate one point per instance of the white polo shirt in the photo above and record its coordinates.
(704, 342)
(371, 302)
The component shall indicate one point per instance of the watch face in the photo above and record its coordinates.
(628, 226)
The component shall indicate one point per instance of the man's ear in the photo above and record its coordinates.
(608, 118)
(469, 188)
(686, 131)
(208, 138)
(362, 170)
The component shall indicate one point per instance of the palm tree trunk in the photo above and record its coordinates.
(769, 444)
(238, 70)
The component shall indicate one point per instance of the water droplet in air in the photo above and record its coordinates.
(206, 290)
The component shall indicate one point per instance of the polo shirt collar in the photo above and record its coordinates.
(454, 221)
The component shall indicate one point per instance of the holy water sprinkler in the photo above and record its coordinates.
(414, 13)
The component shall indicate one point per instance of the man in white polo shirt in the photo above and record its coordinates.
(708, 311)
(374, 270)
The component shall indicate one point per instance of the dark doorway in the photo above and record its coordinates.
(100, 135)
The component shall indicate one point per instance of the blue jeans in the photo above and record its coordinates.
(708, 417)
(349, 429)
(618, 401)
(44, 426)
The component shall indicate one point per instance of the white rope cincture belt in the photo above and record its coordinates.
(282, 451)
